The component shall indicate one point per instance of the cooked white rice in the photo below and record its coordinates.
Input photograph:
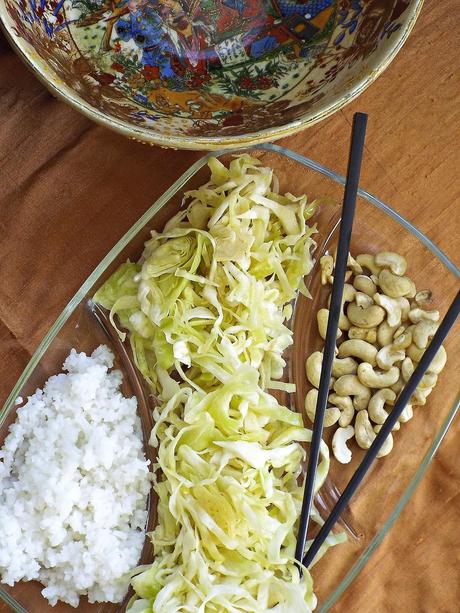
(73, 485)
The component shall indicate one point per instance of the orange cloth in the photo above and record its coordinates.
(70, 189)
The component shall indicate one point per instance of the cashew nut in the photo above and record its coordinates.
(353, 265)
(428, 380)
(364, 284)
(387, 445)
(387, 356)
(385, 333)
(346, 366)
(359, 349)
(347, 411)
(377, 379)
(331, 415)
(439, 361)
(366, 260)
(426, 392)
(407, 368)
(423, 298)
(326, 263)
(348, 295)
(395, 286)
(399, 331)
(393, 306)
(406, 414)
(398, 386)
(402, 341)
(376, 411)
(419, 397)
(395, 262)
(365, 317)
(350, 385)
(416, 315)
(322, 317)
(313, 367)
(363, 300)
(412, 291)
(363, 334)
(414, 352)
(364, 434)
(424, 332)
(405, 308)
(339, 444)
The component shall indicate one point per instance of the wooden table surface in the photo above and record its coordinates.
(69, 189)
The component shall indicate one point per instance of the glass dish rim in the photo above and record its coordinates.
(141, 222)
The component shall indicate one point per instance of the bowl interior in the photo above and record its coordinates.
(379, 500)
(171, 69)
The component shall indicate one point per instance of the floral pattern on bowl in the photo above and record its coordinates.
(172, 71)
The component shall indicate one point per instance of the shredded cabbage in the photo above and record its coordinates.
(212, 291)
(206, 310)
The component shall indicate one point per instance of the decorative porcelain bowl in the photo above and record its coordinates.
(209, 74)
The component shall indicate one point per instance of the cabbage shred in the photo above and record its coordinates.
(206, 310)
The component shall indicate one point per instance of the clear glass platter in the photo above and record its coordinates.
(392, 481)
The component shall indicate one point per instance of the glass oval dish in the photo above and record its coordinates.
(377, 227)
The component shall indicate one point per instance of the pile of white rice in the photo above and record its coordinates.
(73, 485)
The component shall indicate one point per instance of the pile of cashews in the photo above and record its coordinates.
(384, 328)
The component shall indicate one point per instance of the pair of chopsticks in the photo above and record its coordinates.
(346, 223)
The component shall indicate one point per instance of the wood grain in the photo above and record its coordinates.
(69, 189)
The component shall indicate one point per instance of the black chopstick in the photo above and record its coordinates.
(346, 223)
(387, 427)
